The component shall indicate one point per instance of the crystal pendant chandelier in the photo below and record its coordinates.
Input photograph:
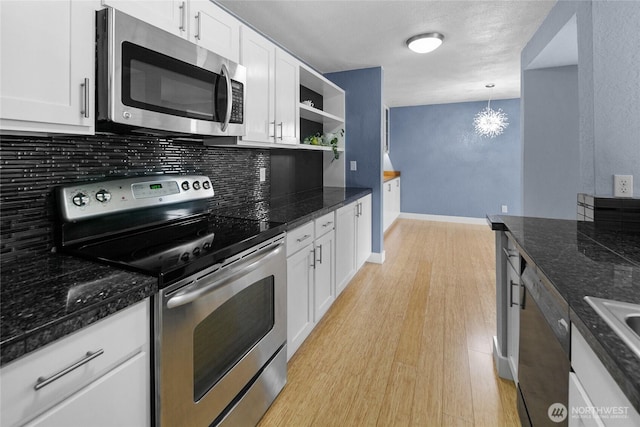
(489, 122)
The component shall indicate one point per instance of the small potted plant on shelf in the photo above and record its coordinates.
(327, 140)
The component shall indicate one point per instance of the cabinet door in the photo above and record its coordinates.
(299, 298)
(324, 284)
(396, 198)
(47, 52)
(169, 15)
(387, 205)
(345, 246)
(214, 29)
(119, 398)
(287, 96)
(363, 232)
(257, 54)
(513, 320)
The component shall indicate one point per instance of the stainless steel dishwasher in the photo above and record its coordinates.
(543, 367)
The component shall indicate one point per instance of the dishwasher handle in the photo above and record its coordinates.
(250, 263)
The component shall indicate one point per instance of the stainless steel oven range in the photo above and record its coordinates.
(220, 313)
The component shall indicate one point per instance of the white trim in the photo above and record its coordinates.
(376, 257)
(501, 362)
(444, 218)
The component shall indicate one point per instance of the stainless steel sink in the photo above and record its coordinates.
(623, 317)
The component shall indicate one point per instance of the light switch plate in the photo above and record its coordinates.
(354, 165)
(505, 209)
(263, 174)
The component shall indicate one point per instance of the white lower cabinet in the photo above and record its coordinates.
(98, 376)
(390, 202)
(310, 278)
(594, 397)
(513, 323)
(353, 240)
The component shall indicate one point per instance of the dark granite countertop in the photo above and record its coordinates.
(45, 297)
(580, 260)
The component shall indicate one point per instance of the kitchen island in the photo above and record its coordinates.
(579, 259)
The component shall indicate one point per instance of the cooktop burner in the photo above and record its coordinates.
(170, 249)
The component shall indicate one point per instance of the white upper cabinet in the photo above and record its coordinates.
(170, 15)
(257, 54)
(47, 52)
(214, 29)
(272, 91)
(287, 94)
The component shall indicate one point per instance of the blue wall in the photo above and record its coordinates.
(363, 137)
(447, 169)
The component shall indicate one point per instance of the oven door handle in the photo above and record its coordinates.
(249, 264)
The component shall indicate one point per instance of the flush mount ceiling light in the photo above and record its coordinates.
(489, 122)
(424, 43)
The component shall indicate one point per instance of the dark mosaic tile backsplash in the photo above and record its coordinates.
(30, 167)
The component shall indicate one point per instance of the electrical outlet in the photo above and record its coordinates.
(622, 185)
(263, 174)
(505, 209)
(354, 165)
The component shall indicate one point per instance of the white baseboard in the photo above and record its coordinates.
(444, 218)
(376, 257)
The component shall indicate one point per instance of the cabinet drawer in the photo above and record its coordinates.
(114, 340)
(512, 254)
(324, 224)
(299, 238)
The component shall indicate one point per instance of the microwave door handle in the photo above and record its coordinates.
(227, 79)
(249, 264)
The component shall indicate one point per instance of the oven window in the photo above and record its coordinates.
(156, 82)
(227, 334)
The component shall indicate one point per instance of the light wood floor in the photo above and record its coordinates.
(408, 343)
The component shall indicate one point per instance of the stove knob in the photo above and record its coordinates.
(80, 199)
(185, 185)
(206, 185)
(185, 257)
(196, 185)
(103, 196)
(196, 251)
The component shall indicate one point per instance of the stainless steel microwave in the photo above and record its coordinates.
(150, 80)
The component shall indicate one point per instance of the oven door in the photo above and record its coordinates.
(151, 79)
(219, 333)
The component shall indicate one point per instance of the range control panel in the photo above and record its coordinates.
(92, 199)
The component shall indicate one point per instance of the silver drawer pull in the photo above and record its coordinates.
(510, 254)
(327, 224)
(564, 325)
(305, 237)
(42, 381)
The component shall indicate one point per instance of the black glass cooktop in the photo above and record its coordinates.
(174, 251)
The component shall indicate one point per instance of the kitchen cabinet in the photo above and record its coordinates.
(104, 376)
(391, 202)
(201, 21)
(353, 240)
(300, 263)
(513, 283)
(169, 15)
(214, 29)
(47, 52)
(310, 278)
(591, 386)
(271, 102)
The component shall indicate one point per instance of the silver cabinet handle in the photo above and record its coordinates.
(274, 129)
(183, 15)
(85, 97)
(511, 285)
(320, 259)
(313, 257)
(281, 130)
(389, 189)
(326, 224)
(359, 209)
(564, 325)
(398, 183)
(42, 381)
(303, 238)
(510, 254)
(199, 26)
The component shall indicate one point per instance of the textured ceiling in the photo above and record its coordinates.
(483, 41)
